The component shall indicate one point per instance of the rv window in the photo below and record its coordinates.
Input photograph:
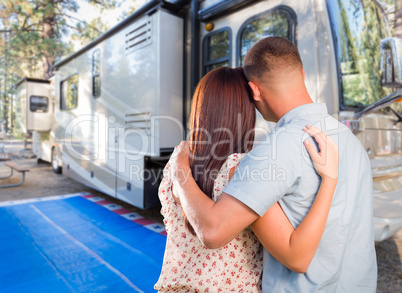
(277, 22)
(358, 27)
(96, 83)
(38, 104)
(217, 50)
(69, 93)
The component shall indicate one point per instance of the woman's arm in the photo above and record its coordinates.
(295, 248)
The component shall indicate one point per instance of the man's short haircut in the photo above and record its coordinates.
(271, 55)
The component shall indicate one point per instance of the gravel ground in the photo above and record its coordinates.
(389, 261)
(42, 182)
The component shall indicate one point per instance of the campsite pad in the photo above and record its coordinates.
(73, 244)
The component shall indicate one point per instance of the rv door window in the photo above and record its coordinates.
(217, 49)
(96, 82)
(69, 93)
(276, 22)
(38, 104)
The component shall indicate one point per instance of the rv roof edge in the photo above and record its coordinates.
(144, 9)
(31, 79)
(221, 8)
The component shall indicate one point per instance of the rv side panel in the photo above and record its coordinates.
(107, 131)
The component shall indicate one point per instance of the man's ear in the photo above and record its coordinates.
(304, 74)
(256, 91)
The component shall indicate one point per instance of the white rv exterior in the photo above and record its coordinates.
(34, 104)
(35, 113)
(108, 133)
(122, 102)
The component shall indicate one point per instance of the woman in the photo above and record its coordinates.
(219, 140)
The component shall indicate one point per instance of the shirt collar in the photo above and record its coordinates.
(303, 110)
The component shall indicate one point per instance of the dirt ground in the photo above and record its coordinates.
(42, 182)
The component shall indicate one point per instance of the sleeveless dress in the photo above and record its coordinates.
(189, 266)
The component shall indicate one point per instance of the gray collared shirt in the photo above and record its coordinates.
(279, 169)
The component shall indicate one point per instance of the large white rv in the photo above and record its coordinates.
(122, 102)
(119, 106)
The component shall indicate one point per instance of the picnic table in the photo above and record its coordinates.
(18, 168)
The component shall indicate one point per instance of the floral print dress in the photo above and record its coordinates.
(189, 266)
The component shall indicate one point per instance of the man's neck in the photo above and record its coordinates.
(285, 105)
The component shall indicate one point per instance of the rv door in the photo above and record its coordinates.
(358, 28)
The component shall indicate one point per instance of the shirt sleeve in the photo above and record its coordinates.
(270, 171)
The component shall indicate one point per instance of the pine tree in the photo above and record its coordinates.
(34, 34)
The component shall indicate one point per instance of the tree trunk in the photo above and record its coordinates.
(5, 105)
(48, 35)
(6, 109)
(398, 19)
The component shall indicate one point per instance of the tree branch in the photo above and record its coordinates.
(25, 22)
(70, 16)
(73, 27)
(29, 26)
(82, 21)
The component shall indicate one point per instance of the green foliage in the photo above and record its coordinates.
(362, 26)
(88, 31)
(34, 34)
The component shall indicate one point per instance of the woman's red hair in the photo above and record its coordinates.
(222, 122)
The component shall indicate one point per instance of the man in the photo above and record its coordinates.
(345, 260)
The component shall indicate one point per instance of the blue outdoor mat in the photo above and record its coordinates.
(75, 245)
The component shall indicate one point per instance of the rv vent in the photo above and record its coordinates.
(135, 121)
(138, 35)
